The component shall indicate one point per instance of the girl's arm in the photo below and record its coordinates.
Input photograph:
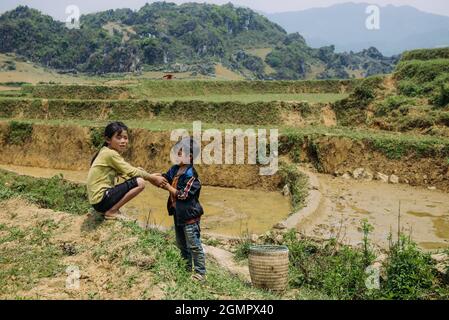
(117, 162)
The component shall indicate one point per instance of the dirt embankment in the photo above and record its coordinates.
(339, 155)
(70, 147)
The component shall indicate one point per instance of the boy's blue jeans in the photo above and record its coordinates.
(189, 242)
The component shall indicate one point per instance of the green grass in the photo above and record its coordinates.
(55, 193)
(261, 112)
(297, 182)
(421, 72)
(391, 144)
(28, 257)
(34, 256)
(248, 98)
(157, 89)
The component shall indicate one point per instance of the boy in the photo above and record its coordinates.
(183, 203)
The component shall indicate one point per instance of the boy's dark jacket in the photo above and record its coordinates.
(187, 198)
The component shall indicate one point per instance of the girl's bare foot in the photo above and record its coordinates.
(112, 215)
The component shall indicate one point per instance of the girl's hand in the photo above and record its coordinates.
(158, 180)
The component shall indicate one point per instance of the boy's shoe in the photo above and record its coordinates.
(198, 277)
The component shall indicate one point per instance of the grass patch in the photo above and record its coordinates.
(28, 258)
(76, 91)
(169, 268)
(297, 182)
(54, 193)
(249, 98)
(158, 89)
(255, 113)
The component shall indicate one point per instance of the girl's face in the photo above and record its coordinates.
(119, 141)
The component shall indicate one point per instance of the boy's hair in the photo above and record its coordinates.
(187, 144)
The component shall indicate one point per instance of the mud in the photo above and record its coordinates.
(424, 213)
(231, 212)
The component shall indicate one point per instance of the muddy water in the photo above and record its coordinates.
(424, 213)
(227, 211)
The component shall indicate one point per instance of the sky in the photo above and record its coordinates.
(57, 8)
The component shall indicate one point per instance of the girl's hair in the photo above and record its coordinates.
(109, 132)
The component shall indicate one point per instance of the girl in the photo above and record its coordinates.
(108, 164)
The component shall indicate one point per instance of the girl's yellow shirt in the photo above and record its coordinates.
(108, 165)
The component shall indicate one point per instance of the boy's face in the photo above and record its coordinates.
(119, 141)
(182, 158)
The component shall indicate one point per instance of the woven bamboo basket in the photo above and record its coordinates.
(268, 267)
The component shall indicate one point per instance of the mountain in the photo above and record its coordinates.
(401, 28)
(190, 37)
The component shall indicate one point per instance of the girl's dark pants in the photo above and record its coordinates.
(188, 240)
(115, 194)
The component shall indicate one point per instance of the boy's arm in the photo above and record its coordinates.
(192, 188)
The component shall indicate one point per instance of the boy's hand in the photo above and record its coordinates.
(167, 186)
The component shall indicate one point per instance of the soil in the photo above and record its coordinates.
(424, 213)
(106, 278)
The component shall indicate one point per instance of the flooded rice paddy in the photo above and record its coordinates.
(231, 212)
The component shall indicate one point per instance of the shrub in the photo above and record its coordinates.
(337, 270)
(426, 54)
(410, 272)
(392, 103)
(97, 137)
(362, 95)
(421, 72)
(443, 119)
(242, 250)
(409, 88)
(441, 97)
(19, 132)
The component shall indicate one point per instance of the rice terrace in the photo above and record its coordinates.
(362, 179)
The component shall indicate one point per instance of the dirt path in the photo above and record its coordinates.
(226, 260)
